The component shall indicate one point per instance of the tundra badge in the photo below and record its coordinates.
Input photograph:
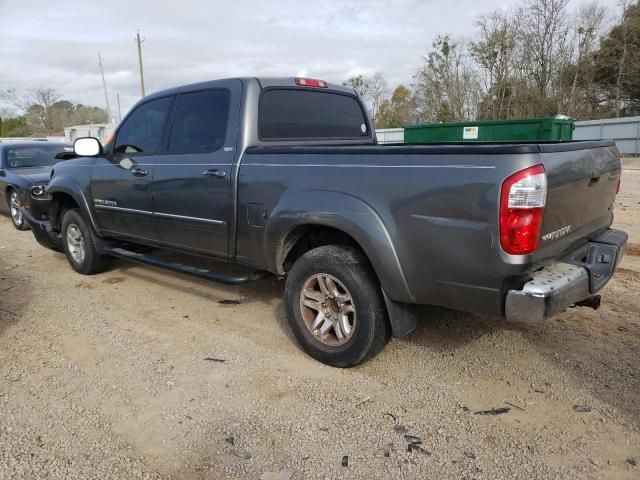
(561, 232)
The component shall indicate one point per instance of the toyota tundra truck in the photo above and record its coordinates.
(284, 176)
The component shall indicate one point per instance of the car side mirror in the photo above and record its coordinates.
(3, 173)
(87, 147)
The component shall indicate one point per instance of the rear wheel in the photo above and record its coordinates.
(334, 306)
(79, 248)
(16, 214)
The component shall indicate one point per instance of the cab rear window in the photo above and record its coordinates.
(310, 115)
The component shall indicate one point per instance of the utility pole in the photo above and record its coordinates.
(139, 42)
(119, 111)
(104, 86)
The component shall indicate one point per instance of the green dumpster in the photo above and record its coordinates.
(558, 128)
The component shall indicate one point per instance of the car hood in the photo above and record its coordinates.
(33, 174)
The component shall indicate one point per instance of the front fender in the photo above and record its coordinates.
(343, 212)
(69, 186)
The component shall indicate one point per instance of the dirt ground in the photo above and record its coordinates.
(142, 373)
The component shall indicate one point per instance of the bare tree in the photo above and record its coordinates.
(589, 21)
(372, 90)
(378, 91)
(543, 34)
(447, 86)
(38, 105)
(359, 83)
(494, 51)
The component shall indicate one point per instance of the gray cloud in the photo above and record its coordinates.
(55, 44)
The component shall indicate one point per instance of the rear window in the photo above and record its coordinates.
(310, 115)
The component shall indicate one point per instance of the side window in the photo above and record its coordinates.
(200, 121)
(142, 130)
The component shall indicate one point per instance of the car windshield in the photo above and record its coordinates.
(33, 155)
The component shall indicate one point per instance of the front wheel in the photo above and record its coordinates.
(78, 245)
(334, 306)
(16, 214)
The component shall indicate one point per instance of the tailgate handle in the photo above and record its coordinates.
(595, 176)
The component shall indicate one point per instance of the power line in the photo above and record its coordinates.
(104, 86)
(139, 42)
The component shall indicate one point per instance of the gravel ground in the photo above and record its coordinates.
(141, 373)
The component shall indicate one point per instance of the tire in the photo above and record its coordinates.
(47, 241)
(13, 199)
(352, 289)
(77, 241)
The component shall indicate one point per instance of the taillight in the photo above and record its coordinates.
(618, 187)
(522, 199)
(310, 82)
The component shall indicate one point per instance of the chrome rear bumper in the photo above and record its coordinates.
(574, 280)
(550, 291)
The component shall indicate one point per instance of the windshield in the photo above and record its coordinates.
(33, 156)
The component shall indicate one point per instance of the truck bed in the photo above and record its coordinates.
(442, 216)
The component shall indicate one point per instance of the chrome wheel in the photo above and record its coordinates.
(75, 243)
(16, 214)
(328, 309)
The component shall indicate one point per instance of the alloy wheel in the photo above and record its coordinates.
(16, 214)
(328, 309)
(75, 243)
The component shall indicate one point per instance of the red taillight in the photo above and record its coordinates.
(310, 82)
(522, 199)
(618, 187)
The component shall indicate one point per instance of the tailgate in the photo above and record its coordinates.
(582, 180)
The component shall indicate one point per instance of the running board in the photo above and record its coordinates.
(186, 269)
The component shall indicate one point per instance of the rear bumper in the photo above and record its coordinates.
(576, 278)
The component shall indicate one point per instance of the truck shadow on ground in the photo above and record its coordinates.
(600, 360)
(262, 290)
(450, 332)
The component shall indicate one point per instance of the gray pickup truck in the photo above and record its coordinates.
(284, 176)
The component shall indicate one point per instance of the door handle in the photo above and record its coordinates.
(139, 172)
(216, 173)
(595, 176)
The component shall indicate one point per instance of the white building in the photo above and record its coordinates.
(98, 130)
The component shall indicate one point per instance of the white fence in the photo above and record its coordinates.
(390, 135)
(625, 131)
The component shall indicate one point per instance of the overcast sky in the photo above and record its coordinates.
(55, 43)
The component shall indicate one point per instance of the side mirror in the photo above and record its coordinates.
(3, 173)
(87, 147)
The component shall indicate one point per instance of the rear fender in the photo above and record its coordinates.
(347, 214)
